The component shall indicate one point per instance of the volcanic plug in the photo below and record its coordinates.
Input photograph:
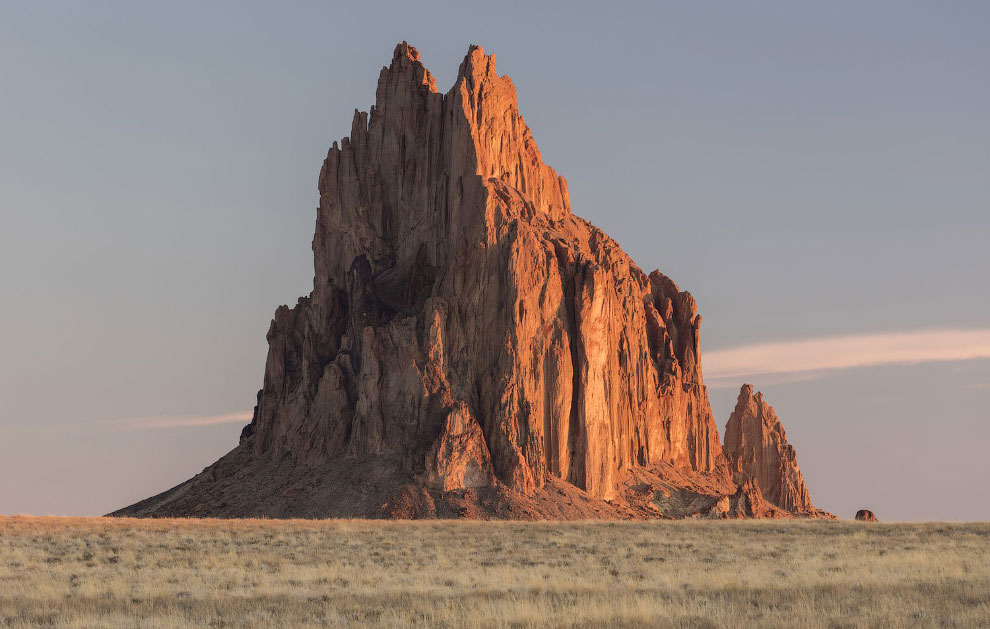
(472, 348)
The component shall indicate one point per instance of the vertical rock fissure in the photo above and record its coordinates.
(574, 430)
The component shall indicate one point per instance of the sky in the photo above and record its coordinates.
(816, 174)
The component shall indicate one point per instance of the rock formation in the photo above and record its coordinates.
(470, 347)
(865, 515)
(756, 449)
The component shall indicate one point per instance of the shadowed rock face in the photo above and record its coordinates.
(756, 449)
(470, 346)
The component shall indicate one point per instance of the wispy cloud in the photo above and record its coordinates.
(180, 421)
(816, 356)
(157, 422)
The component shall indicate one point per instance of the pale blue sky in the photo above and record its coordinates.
(805, 170)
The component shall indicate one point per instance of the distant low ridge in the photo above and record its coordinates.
(473, 349)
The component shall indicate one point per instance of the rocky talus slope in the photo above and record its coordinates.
(470, 348)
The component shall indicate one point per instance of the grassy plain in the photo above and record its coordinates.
(103, 572)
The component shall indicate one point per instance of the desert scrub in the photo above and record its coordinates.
(108, 572)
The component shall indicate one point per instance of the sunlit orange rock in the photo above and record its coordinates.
(451, 274)
(756, 449)
(470, 346)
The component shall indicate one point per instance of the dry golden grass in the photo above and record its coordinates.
(83, 572)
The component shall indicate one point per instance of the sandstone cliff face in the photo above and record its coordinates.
(459, 305)
(756, 449)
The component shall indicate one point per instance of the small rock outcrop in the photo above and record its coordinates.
(471, 348)
(865, 515)
(756, 450)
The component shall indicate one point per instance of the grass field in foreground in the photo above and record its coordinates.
(97, 572)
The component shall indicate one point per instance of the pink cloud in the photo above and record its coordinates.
(181, 421)
(812, 357)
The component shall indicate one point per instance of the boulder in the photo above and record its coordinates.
(865, 515)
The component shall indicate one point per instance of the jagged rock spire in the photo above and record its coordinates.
(756, 448)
